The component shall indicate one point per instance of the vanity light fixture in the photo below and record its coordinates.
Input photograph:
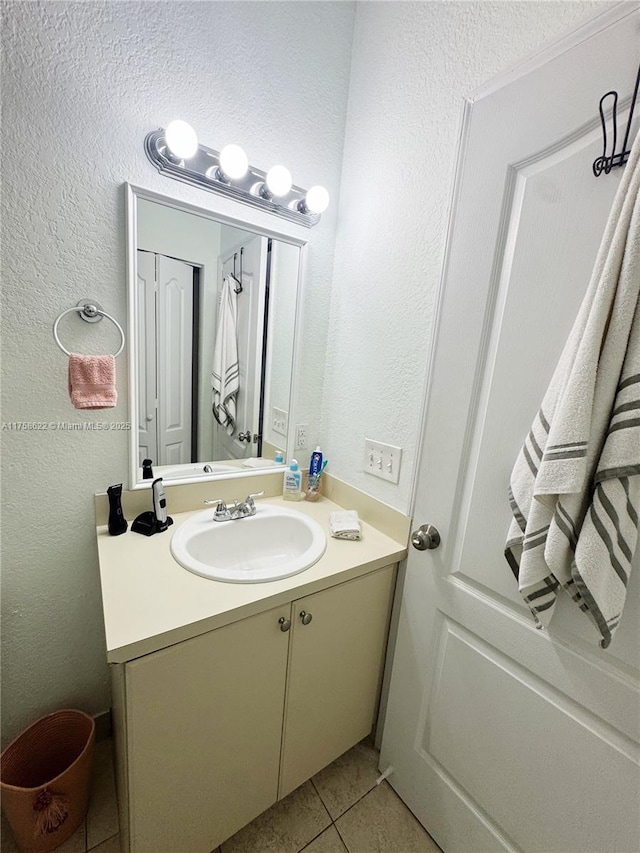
(277, 184)
(176, 152)
(181, 139)
(234, 164)
(315, 201)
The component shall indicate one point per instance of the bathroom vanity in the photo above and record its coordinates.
(228, 696)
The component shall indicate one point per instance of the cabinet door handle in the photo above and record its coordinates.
(285, 624)
(306, 617)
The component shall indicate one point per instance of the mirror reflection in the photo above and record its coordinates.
(215, 308)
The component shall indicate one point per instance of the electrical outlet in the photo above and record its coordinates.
(382, 460)
(302, 436)
(279, 421)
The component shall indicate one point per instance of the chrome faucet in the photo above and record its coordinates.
(235, 510)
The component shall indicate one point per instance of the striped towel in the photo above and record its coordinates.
(225, 375)
(575, 487)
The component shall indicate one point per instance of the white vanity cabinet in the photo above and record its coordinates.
(212, 731)
(334, 673)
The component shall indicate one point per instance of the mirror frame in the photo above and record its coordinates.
(284, 233)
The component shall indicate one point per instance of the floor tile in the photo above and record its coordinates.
(7, 844)
(75, 844)
(349, 778)
(112, 845)
(78, 841)
(284, 828)
(102, 817)
(327, 842)
(381, 823)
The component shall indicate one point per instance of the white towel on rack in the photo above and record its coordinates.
(225, 376)
(575, 486)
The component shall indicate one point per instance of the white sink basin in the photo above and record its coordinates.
(272, 544)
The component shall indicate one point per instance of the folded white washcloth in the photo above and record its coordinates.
(345, 524)
(259, 462)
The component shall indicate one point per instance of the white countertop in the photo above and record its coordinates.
(150, 602)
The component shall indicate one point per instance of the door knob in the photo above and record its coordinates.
(245, 436)
(306, 617)
(425, 538)
(285, 624)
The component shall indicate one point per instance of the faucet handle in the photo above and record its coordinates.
(249, 504)
(222, 512)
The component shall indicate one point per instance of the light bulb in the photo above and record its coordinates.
(181, 139)
(316, 200)
(233, 162)
(278, 180)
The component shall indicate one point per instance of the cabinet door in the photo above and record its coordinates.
(335, 669)
(204, 722)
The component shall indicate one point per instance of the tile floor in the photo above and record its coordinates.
(340, 810)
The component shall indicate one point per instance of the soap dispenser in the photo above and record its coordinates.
(292, 486)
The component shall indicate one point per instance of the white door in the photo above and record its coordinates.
(175, 360)
(147, 391)
(252, 269)
(503, 737)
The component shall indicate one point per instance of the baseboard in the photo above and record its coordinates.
(104, 727)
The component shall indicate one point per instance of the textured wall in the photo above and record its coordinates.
(412, 65)
(82, 84)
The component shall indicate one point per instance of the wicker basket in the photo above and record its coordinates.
(44, 779)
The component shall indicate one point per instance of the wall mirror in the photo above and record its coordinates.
(213, 305)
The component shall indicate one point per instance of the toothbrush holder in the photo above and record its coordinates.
(312, 486)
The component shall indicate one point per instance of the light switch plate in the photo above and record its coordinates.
(382, 460)
(279, 421)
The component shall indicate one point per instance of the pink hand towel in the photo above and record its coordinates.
(92, 381)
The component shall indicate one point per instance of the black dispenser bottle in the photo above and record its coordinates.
(117, 521)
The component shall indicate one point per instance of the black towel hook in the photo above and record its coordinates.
(240, 288)
(606, 163)
(238, 281)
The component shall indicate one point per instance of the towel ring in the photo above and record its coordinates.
(91, 312)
